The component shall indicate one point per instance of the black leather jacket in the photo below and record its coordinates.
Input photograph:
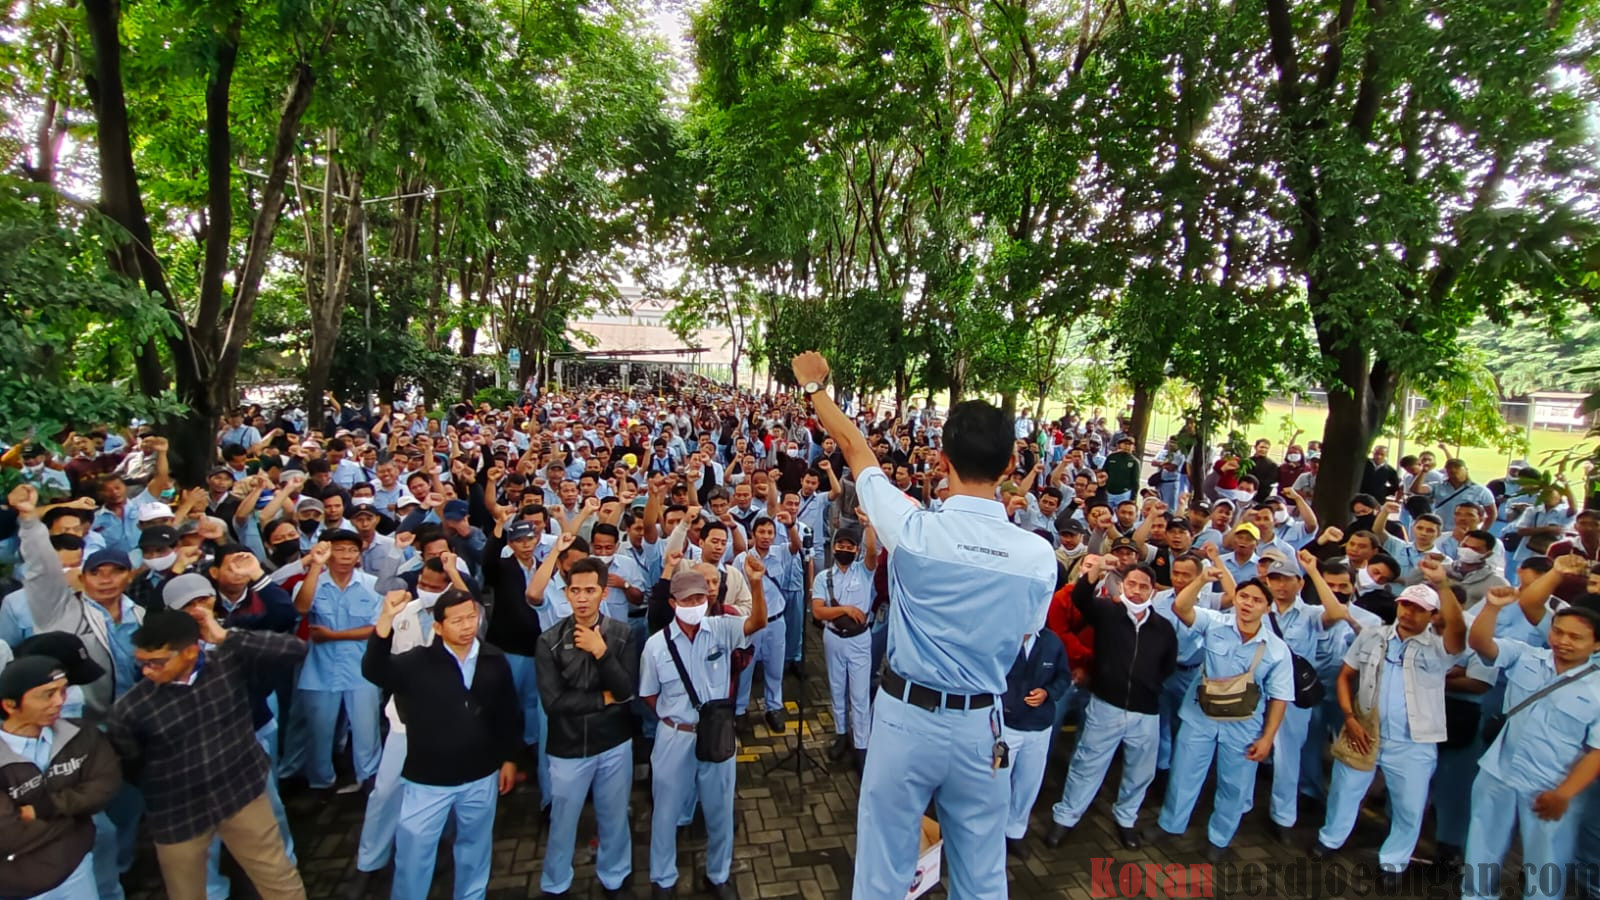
(572, 683)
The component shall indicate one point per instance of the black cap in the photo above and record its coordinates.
(68, 650)
(1066, 523)
(1123, 543)
(159, 536)
(107, 556)
(25, 673)
(33, 448)
(342, 536)
(848, 533)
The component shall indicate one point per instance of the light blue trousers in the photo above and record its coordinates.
(1407, 771)
(363, 706)
(1326, 719)
(678, 776)
(1172, 691)
(1288, 749)
(424, 810)
(849, 684)
(1197, 743)
(526, 679)
(78, 886)
(1548, 848)
(794, 629)
(770, 649)
(610, 776)
(945, 755)
(383, 806)
(116, 833)
(1105, 728)
(1030, 750)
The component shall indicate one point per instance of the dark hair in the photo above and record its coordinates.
(763, 520)
(1590, 514)
(1580, 612)
(434, 565)
(1429, 517)
(1410, 459)
(578, 544)
(415, 475)
(1488, 539)
(1537, 564)
(1050, 492)
(229, 451)
(1147, 570)
(1387, 560)
(1373, 539)
(603, 529)
(450, 598)
(1333, 567)
(978, 441)
(592, 565)
(1258, 583)
(337, 445)
(318, 467)
(1198, 560)
(709, 527)
(591, 476)
(535, 509)
(165, 629)
(67, 542)
(427, 534)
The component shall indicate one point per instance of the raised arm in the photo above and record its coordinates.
(1332, 609)
(810, 366)
(1308, 516)
(1480, 637)
(541, 577)
(753, 572)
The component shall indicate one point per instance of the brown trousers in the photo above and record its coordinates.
(251, 835)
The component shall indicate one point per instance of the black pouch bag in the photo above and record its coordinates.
(714, 738)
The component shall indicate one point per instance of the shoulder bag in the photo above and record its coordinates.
(844, 626)
(1231, 699)
(714, 738)
(1308, 691)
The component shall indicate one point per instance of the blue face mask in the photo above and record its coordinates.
(169, 493)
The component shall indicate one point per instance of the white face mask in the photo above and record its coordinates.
(1134, 609)
(692, 615)
(1365, 582)
(605, 559)
(1468, 556)
(34, 470)
(1280, 516)
(429, 598)
(161, 563)
(1292, 457)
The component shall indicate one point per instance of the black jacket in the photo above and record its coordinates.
(1130, 664)
(513, 624)
(1046, 667)
(84, 775)
(570, 685)
(454, 734)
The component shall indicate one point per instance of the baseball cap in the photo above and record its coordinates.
(186, 588)
(308, 503)
(158, 537)
(107, 556)
(218, 470)
(848, 533)
(688, 583)
(25, 673)
(1277, 565)
(153, 511)
(342, 536)
(455, 509)
(33, 449)
(1124, 543)
(361, 505)
(1247, 528)
(406, 499)
(1420, 595)
(67, 649)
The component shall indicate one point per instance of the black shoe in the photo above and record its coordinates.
(776, 722)
(1320, 851)
(1130, 837)
(1447, 856)
(1389, 882)
(1280, 833)
(657, 892)
(613, 892)
(1015, 847)
(546, 895)
(1158, 784)
(1214, 854)
(1056, 836)
(357, 888)
(723, 891)
(840, 746)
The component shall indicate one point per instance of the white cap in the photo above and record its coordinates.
(406, 499)
(153, 511)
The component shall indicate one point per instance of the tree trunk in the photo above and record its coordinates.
(340, 259)
(1354, 416)
(1008, 403)
(1144, 396)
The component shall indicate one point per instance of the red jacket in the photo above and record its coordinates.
(1068, 624)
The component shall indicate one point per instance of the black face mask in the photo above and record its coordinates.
(844, 557)
(284, 552)
(309, 526)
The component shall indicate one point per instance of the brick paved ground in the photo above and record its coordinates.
(797, 839)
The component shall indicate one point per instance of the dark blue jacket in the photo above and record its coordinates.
(1046, 667)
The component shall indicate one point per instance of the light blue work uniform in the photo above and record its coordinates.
(965, 585)
(849, 658)
(1452, 806)
(1538, 516)
(1241, 571)
(678, 775)
(615, 603)
(1225, 653)
(794, 589)
(16, 620)
(1446, 497)
(413, 627)
(1532, 754)
(424, 810)
(771, 645)
(1406, 685)
(647, 557)
(1300, 626)
(553, 609)
(121, 532)
(331, 678)
(80, 885)
(1189, 653)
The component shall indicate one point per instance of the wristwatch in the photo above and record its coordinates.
(815, 387)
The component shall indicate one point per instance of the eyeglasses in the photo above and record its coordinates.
(159, 663)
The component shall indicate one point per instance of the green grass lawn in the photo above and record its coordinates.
(1484, 462)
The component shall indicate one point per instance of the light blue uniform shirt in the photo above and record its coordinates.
(964, 586)
(1241, 571)
(16, 619)
(1189, 641)
(336, 665)
(121, 532)
(1537, 747)
(648, 559)
(469, 666)
(814, 515)
(775, 581)
(555, 606)
(851, 587)
(34, 750)
(1301, 626)
(1393, 722)
(1447, 497)
(615, 603)
(707, 659)
(1226, 654)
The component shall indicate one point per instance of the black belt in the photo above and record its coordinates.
(930, 699)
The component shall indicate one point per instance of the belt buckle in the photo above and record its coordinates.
(911, 697)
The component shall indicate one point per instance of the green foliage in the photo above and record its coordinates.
(1463, 409)
(70, 326)
(497, 398)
